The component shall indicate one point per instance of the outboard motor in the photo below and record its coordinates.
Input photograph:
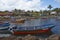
(12, 27)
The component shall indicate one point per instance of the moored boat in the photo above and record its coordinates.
(4, 25)
(19, 21)
(32, 29)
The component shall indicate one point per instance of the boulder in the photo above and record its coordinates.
(54, 37)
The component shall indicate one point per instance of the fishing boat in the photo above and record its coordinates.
(4, 25)
(17, 21)
(32, 29)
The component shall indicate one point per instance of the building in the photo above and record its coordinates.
(53, 13)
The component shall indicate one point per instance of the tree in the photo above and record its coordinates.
(50, 7)
(45, 12)
(57, 10)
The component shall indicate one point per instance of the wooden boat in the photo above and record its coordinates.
(4, 26)
(19, 21)
(32, 30)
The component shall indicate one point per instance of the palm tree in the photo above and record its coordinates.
(49, 8)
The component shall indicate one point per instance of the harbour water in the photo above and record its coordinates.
(39, 22)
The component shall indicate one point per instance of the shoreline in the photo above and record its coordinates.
(30, 37)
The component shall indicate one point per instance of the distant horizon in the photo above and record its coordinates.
(35, 5)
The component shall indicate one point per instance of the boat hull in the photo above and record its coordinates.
(18, 32)
(4, 28)
(20, 21)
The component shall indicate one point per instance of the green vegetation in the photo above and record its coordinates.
(32, 13)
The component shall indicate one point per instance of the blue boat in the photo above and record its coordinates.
(4, 26)
(32, 29)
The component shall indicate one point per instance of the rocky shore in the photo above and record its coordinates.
(30, 37)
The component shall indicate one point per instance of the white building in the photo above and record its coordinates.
(53, 13)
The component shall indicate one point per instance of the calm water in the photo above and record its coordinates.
(38, 22)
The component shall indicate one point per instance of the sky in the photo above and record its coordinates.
(35, 5)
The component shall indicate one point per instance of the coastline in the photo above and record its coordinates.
(30, 37)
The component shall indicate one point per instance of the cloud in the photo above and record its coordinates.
(21, 4)
(57, 0)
